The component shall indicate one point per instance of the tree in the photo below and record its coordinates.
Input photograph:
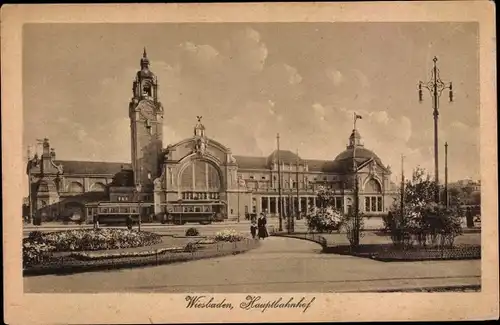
(421, 220)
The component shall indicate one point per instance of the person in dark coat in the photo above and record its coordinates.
(129, 222)
(261, 225)
(469, 218)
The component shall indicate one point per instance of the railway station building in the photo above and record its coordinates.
(198, 175)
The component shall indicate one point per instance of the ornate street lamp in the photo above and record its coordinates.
(435, 86)
(138, 190)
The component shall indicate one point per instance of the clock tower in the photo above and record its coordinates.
(146, 122)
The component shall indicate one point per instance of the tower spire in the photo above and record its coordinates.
(144, 60)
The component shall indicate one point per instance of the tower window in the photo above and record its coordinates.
(147, 90)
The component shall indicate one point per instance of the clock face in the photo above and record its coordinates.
(147, 111)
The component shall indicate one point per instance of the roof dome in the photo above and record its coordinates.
(356, 150)
(361, 154)
(286, 156)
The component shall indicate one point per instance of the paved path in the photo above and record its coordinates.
(279, 265)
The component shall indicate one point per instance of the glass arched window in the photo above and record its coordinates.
(200, 176)
(373, 186)
(98, 187)
(75, 187)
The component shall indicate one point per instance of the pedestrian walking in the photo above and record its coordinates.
(261, 226)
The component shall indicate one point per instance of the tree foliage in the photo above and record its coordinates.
(423, 222)
(324, 218)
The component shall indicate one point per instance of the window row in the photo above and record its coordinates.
(373, 204)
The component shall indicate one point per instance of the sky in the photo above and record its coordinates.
(251, 81)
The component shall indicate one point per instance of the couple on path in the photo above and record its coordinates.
(259, 227)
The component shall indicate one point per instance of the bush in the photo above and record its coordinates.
(230, 235)
(422, 221)
(35, 252)
(430, 225)
(324, 220)
(38, 245)
(192, 232)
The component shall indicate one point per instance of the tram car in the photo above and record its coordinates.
(109, 213)
(195, 212)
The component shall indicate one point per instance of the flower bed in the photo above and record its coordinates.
(229, 235)
(69, 265)
(39, 246)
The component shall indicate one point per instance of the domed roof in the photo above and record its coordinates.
(356, 150)
(286, 156)
(361, 154)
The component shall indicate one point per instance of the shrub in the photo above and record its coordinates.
(422, 221)
(230, 235)
(324, 220)
(35, 252)
(192, 232)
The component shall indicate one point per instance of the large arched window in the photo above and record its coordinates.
(98, 187)
(75, 187)
(373, 186)
(373, 202)
(200, 176)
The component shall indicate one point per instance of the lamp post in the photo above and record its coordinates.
(239, 180)
(280, 199)
(446, 174)
(435, 86)
(29, 187)
(298, 194)
(356, 184)
(138, 189)
(402, 185)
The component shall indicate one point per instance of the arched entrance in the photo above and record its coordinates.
(200, 188)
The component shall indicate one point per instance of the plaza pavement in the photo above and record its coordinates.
(278, 265)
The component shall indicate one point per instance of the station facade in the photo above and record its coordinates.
(199, 173)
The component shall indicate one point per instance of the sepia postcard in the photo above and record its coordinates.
(261, 162)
